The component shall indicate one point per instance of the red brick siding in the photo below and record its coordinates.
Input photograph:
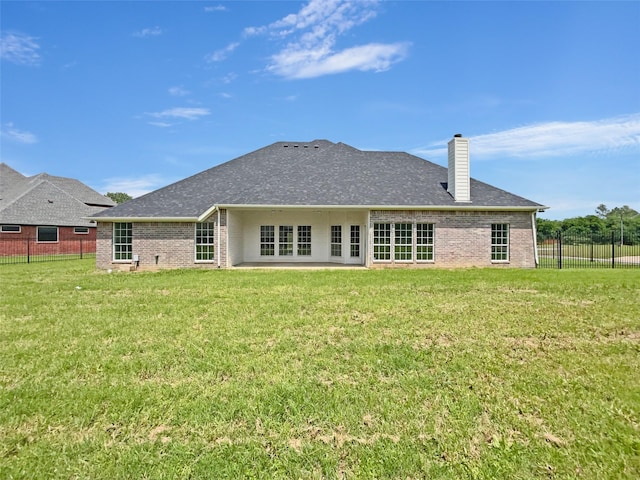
(68, 242)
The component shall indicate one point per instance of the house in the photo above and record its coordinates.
(50, 211)
(323, 202)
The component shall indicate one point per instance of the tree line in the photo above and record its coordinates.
(623, 221)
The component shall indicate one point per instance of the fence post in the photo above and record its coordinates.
(559, 250)
(613, 250)
(28, 250)
(80, 249)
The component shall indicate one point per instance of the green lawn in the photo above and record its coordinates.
(402, 374)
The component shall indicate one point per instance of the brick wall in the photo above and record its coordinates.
(463, 239)
(160, 245)
(68, 242)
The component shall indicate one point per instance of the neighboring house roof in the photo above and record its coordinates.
(47, 200)
(318, 173)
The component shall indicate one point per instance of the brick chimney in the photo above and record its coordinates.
(458, 182)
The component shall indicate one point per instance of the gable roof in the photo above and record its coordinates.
(317, 173)
(47, 200)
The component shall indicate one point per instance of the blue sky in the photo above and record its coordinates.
(132, 96)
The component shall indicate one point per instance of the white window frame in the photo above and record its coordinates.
(285, 241)
(500, 243)
(304, 241)
(335, 241)
(47, 241)
(204, 242)
(386, 244)
(403, 242)
(354, 239)
(267, 240)
(85, 232)
(430, 229)
(3, 229)
(125, 256)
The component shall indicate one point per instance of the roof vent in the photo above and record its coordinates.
(285, 146)
(316, 146)
(295, 146)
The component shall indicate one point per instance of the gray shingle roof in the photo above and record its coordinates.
(318, 173)
(47, 200)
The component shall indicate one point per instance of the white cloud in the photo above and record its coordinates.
(313, 35)
(10, 132)
(217, 8)
(371, 57)
(148, 32)
(19, 49)
(134, 186)
(178, 91)
(223, 53)
(229, 78)
(187, 113)
(551, 139)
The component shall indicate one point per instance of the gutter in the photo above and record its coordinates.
(535, 238)
(207, 213)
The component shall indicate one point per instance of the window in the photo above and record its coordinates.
(81, 230)
(286, 240)
(500, 242)
(304, 240)
(355, 241)
(403, 241)
(122, 241)
(267, 240)
(47, 234)
(336, 240)
(205, 243)
(382, 241)
(424, 242)
(10, 229)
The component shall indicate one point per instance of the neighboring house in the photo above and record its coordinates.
(50, 211)
(323, 202)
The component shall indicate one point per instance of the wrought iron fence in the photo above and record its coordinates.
(608, 250)
(28, 250)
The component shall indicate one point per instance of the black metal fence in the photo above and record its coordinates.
(28, 250)
(570, 250)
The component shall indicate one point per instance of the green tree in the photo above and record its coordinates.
(119, 197)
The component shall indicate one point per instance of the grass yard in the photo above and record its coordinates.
(319, 374)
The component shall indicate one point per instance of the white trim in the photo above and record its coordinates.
(144, 219)
(386, 207)
(57, 240)
(210, 210)
(2, 230)
(80, 233)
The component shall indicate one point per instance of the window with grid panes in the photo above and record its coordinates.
(304, 240)
(285, 244)
(354, 248)
(382, 241)
(336, 240)
(122, 240)
(424, 242)
(267, 240)
(205, 243)
(500, 242)
(403, 241)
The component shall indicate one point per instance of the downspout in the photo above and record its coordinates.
(218, 239)
(535, 238)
